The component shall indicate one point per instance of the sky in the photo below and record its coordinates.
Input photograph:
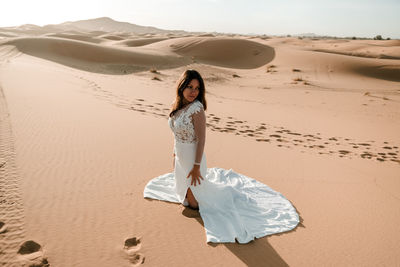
(341, 18)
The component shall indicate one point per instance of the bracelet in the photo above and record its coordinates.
(197, 163)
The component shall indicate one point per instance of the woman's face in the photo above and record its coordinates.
(191, 91)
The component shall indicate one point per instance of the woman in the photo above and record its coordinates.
(188, 121)
(233, 207)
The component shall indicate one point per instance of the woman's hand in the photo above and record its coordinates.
(196, 175)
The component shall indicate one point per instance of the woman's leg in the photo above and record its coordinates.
(192, 201)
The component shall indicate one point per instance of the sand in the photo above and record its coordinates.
(83, 128)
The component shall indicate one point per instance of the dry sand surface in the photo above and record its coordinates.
(83, 128)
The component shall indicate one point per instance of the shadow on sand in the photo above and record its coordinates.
(255, 253)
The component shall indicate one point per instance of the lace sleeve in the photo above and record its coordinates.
(195, 108)
(199, 123)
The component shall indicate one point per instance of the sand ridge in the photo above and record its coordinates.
(12, 228)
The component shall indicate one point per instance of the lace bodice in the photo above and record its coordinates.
(182, 125)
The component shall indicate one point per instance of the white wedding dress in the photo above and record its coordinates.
(233, 207)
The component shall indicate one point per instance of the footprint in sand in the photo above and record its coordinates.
(275, 135)
(230, 129)
(31, 254)
(364, 144)
(366, 155)
(3, 227)
(263, 140)
(136, 109)
(2, 163)
(293, 133)
(131, 249)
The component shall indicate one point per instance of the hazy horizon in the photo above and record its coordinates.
(332, 18)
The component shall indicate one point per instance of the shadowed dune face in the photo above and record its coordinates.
(385, 72)
(112, 37)
(139, 42)
(385, 49)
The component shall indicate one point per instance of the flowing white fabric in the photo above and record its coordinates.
(233, 206)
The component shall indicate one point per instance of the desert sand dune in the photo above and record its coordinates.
(97, 33)
(362, 51)
(206, 35)
(7, 34)
(223, 52)
(92, 57)
(140, 41)
(314, 119)
(336, 62)
(111, 37)
(75, 32)
(385, 49)
(298, 53)
(389, 72)
(78, 37)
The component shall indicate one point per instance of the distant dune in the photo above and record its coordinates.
(140, 41)
(111, 37)
(84, 53)
(77, 44)
(219, 51)
(93, 57)
(78, 37)
(109, 25)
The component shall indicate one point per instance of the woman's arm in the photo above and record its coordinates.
(199, 122)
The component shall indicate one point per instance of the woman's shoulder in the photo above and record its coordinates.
(198, 103)
(196, 106)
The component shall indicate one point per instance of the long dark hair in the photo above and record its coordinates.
(182, 83)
